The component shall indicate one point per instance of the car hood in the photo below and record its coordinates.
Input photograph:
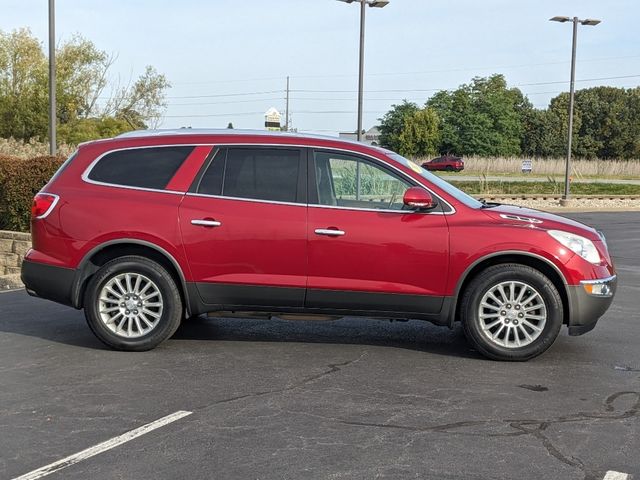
(512, 214)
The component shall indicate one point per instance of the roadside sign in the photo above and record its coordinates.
(272, 119)
(526, 166)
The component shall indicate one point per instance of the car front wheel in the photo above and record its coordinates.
(132, 303)
(511, 312)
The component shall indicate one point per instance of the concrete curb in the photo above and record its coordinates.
(10, 282)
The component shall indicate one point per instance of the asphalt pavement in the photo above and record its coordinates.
(349, 399)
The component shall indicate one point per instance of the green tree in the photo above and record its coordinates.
(606, 124)
(23, 72)
(482, 118)
(82, 129)
(610, 122)
(392, 124)
(82, 73)
(420, 135)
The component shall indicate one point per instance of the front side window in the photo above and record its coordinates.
(459, 195)
(150, 167)
(346, 181)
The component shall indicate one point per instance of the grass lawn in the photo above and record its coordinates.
(481, 187)
(558, 177)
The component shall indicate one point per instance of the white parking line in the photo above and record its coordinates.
(102, 447)
(613, 475)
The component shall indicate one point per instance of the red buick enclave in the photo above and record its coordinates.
(149, 228)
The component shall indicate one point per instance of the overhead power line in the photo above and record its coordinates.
(418, 72)
(221, 95)
(439, 89)
(414, 90)
(297, 112)
(227, 102)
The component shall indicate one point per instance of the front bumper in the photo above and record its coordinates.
(48, 281)
(586, 309)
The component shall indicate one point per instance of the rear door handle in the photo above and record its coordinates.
(206, 223)
(331, 232)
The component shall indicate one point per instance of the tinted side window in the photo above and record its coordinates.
(151, 167)
(211, 181)
(262, 173)
(348, 181)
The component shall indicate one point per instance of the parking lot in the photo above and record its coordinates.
(353, 398)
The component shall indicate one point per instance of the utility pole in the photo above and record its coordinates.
(52, 78)
(286, 111)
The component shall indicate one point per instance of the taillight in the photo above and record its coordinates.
(42, 205)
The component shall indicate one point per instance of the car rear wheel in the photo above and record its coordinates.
(511, 312)
(132, 303)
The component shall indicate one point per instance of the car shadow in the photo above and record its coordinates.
(33, 317)
(412, 335)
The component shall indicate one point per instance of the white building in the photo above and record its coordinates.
(370, 137)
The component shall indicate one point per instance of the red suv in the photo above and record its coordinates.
(149, 228)
(447, 163)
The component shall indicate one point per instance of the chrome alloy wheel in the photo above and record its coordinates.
(512, 314)
(130, 305)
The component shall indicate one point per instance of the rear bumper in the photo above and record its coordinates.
(586, 309)
(48, 281)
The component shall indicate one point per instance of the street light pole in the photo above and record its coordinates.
(52, 77)
(361, 70)
(567, 167)
(363, 5)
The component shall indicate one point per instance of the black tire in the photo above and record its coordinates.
(168, 319)
(449, 168)
(473, 325)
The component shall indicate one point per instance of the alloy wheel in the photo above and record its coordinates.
(512, 314)
(130, 305)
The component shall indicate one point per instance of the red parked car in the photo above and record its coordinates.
(447, 163)
(149, 228)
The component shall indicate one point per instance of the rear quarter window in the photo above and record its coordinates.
(149, 167)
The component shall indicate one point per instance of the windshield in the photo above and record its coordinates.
(468, 200)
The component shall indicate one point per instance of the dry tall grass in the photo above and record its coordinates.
(473, 164)
(551, 166)
(32, 148)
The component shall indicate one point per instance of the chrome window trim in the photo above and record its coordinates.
(85, 175)
(383, 210)
(56, 198)
(255, 200)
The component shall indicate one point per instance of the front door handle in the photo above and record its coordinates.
(206, 223)
(331, 232)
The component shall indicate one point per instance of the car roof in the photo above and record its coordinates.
(251, 135)
(226, 132)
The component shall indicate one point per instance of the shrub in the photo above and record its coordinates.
(20, 180)
(32, 148)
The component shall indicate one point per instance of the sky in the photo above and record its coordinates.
(228, 60)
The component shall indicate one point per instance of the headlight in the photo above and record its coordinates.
(580, 245)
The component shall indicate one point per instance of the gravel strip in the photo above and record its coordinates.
(580, 205)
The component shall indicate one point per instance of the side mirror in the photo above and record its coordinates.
(418, 198)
